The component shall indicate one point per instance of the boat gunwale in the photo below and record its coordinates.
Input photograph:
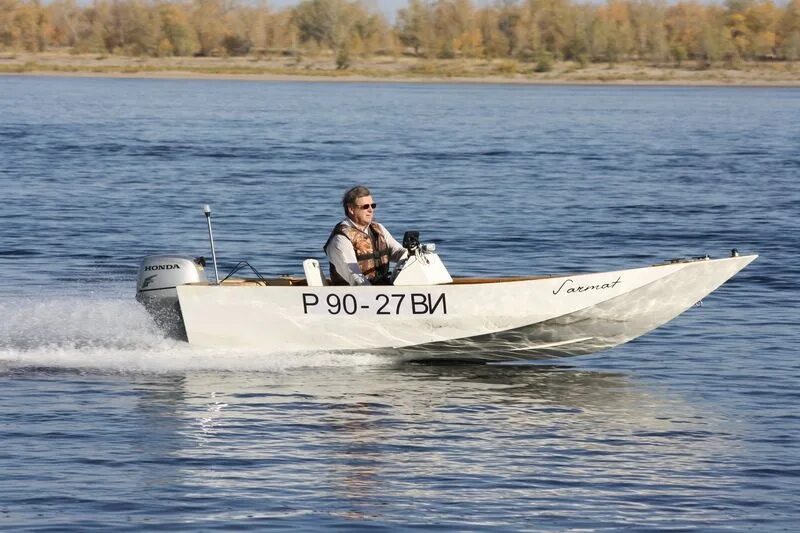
(290, 281)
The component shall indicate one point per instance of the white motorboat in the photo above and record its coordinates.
(425, 313)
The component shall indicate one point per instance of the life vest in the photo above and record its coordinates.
(372, 252)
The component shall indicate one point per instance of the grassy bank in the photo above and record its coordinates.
(389, 68)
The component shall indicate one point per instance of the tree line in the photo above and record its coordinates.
(527, 30)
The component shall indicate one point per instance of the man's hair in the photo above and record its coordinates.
(353, 194)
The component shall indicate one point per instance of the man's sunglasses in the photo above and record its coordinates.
(367, 206)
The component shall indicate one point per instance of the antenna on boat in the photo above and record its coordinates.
(207, 211)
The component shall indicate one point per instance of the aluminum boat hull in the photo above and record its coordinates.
(485, 320)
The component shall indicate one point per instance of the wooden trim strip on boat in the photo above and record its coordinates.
(469, 281)
(301, 282)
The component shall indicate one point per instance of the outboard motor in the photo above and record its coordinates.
(155, 288)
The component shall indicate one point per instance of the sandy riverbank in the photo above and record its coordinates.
(400, 69)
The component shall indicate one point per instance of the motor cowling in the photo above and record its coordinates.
(159, 275)
(162, 272)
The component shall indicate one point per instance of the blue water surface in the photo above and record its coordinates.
(106, 424)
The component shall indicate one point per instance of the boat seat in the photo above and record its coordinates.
(314, 275)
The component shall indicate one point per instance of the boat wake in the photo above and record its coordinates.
(118, 335)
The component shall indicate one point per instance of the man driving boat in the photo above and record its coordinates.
(360, 249)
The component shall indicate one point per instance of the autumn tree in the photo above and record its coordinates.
(207, 19)
(133, 28)
(279, 32)
(754, 26)
(548, 26)
(23, 25)
(495, 43)
(579, 46)
(67, 21)
(649, 31)
(789, 31)
(612, 32)
(684, 23)
(179, 37)
(530, 30)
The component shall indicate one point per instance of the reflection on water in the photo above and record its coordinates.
(345, 445)
(368, 438)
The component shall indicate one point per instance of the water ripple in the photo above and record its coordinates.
(106, 424)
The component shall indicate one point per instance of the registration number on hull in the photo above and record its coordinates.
(415, 303)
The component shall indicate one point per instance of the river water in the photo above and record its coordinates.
(106, 424)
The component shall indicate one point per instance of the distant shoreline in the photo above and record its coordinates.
(399, 70)
(179, 75)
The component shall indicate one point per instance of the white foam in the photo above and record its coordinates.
(118, 335)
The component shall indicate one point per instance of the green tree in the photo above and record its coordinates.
(716, 43)
(612, 33)
(323, 21)
(335, 24)
(415, 26)
(550, 27)
(510, 22)
(132, 28)
(790, 47)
